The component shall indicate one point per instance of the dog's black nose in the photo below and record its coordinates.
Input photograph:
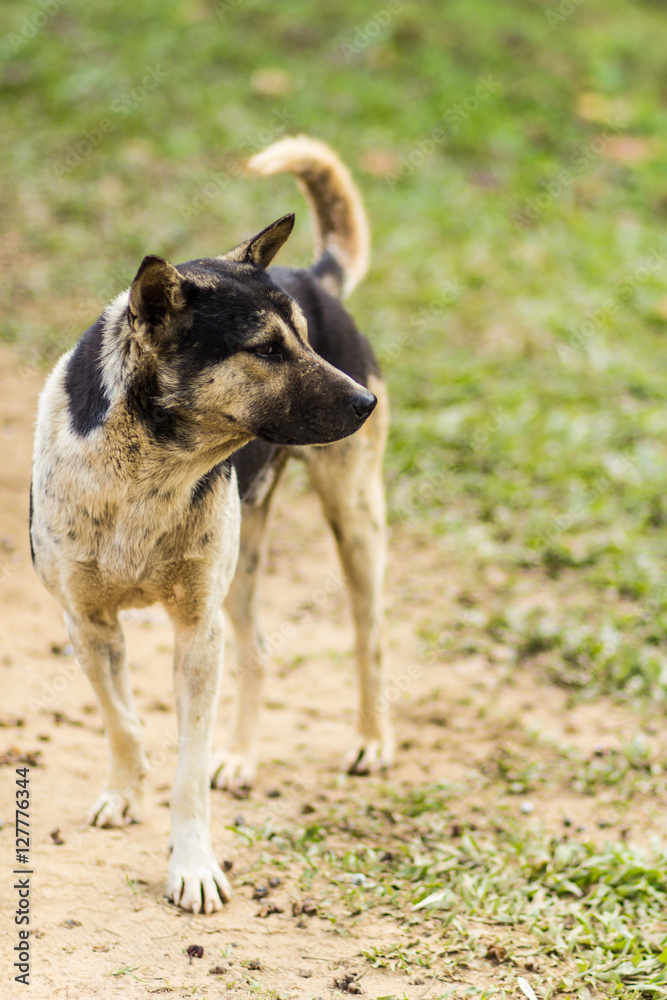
(364, 404)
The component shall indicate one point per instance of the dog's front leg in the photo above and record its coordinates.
(196, 881)
(100, 649)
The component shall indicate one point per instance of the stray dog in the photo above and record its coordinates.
(135, 499)
(346, 475)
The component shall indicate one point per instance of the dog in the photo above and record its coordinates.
(179, 399)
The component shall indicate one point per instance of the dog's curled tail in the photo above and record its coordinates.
(342, 237)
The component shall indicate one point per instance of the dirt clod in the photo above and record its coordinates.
(348, 983)
(496, 953)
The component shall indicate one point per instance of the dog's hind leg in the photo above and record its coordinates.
(348, 478)
(100, 650)
(236, 767)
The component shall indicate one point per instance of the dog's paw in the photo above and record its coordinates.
(234, 771)
(114, 809)
(196, 882)
(368, 756)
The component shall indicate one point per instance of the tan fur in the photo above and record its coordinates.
(336, 206)
(120, 518)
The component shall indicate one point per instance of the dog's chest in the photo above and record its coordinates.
(140, 549)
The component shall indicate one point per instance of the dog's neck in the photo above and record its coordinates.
(147, 433)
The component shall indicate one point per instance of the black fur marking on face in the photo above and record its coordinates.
(331, 330)
(88, 403)
(206, 484)
(229, 304)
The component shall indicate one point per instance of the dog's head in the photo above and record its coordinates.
(227, 350)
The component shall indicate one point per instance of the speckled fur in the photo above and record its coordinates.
(134, 500)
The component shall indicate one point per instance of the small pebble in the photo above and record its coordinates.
(358, 879)
(527, 808)
(305, 973)
(275, 882)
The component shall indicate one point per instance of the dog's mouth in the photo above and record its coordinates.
(275, 438)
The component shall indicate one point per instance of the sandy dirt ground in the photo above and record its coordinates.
(100, 926)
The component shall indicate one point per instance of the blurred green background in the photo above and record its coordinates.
(512, 159)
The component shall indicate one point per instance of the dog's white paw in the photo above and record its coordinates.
(234, 771)
(367, 756)
(196, 881)
(114, 808)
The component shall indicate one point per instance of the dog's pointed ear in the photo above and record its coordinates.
(261, 249)
(156, 292)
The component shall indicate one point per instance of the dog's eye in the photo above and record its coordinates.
(268, 351)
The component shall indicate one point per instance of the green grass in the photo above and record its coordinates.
(570, 916)
(517, 300)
